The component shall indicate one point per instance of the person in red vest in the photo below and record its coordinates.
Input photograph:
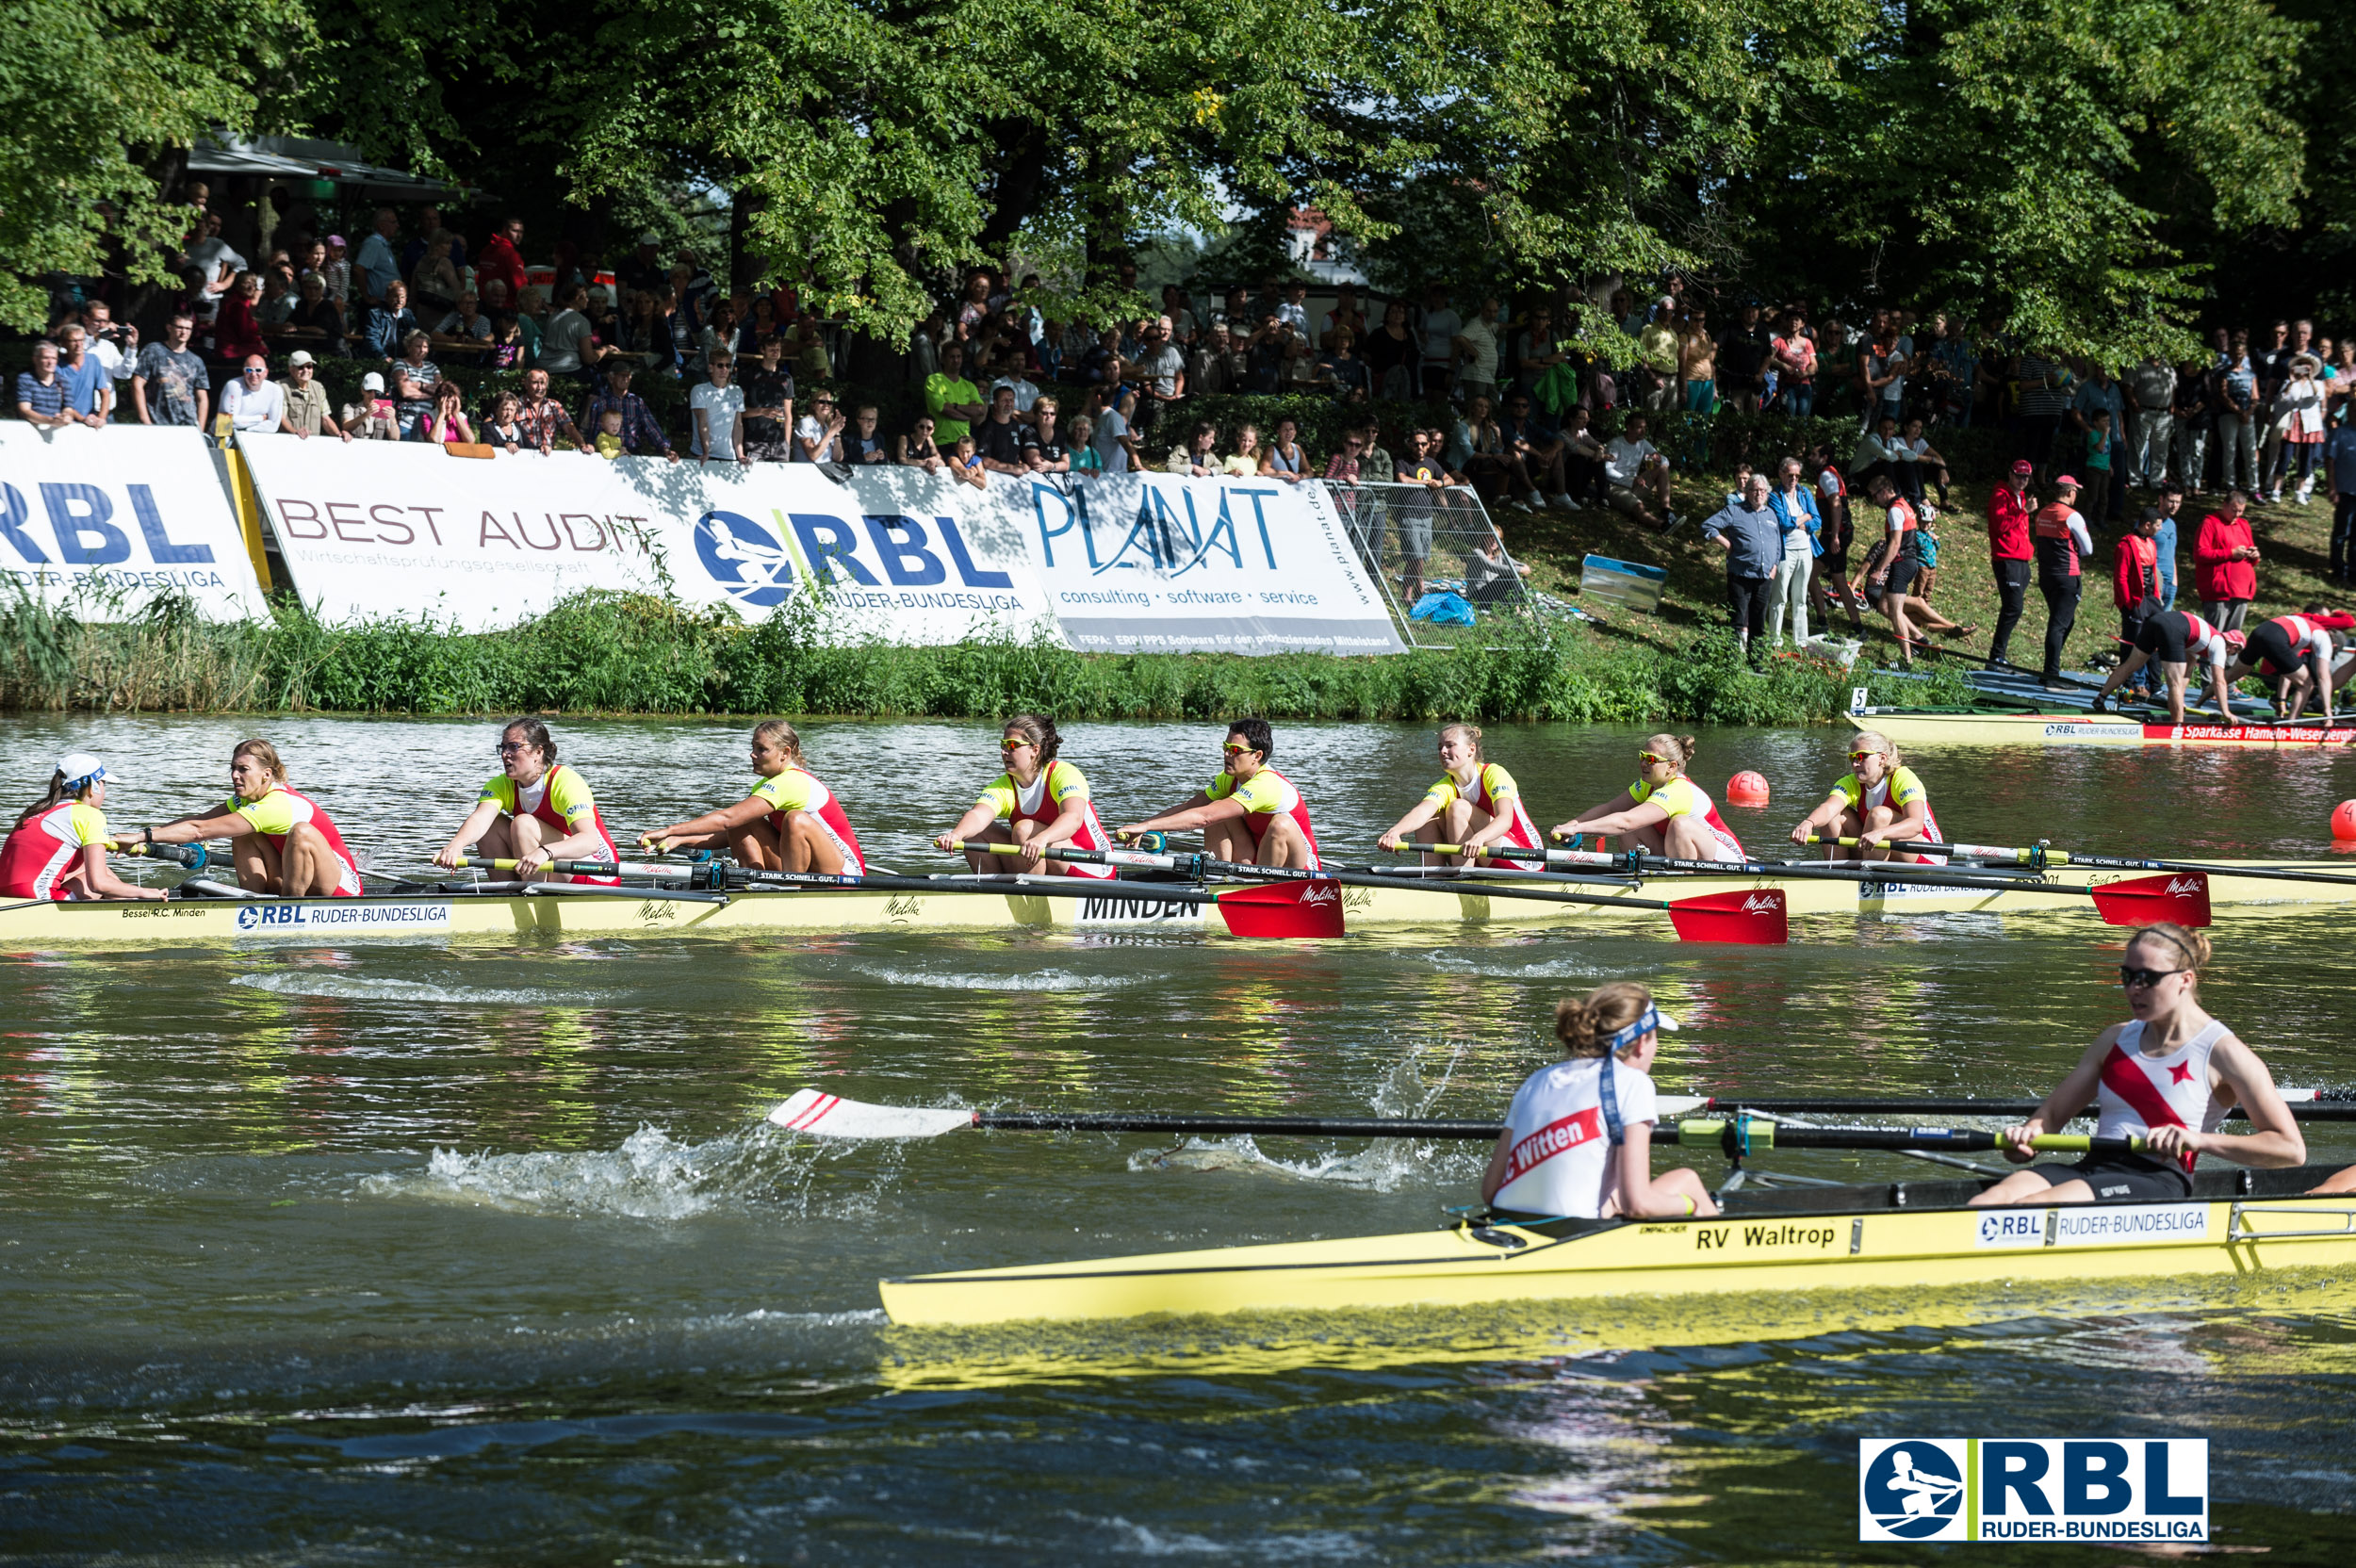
(2059, 536)
(503, 258)
(2135, 584)
(2228, 558)
(2010, 559)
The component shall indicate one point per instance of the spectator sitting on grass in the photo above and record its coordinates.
(1637, 472)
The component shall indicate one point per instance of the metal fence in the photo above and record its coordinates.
(1418, 541)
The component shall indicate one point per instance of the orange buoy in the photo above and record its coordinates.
(1750, 788)
(2344, 822)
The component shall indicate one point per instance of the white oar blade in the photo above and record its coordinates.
(827, 1116)
(1678, 1104)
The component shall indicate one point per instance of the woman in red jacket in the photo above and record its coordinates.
(2227, 557)
(2011, 561)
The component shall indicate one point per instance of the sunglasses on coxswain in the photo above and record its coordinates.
(2129, 974)
(1648, 758)
(1232, 748)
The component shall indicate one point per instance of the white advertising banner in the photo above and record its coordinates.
(103, 522)
(373, 528)
(1161, 564)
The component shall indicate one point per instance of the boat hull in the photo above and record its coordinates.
(1774, 1250)
(2096, 730)
(625, 912)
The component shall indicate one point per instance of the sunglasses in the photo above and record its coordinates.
(1861, 756)
(506, 747)
(1649, 757)
(2130, 976)
(1231, 748)
(251, 370)
(1012, 745)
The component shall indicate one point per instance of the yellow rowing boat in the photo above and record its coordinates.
(1905, 1236)
(1010, 904)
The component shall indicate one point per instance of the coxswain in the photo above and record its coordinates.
(2296, 653)
(2168, 1075)
(1879, 802)
(279, 838)
(58, 849)
(1578, 1138)
(789, 822)
(1249, 814)
(1476, 803)
(535, 810)
(2176, 640)
(1039, 802)
(1663, 813)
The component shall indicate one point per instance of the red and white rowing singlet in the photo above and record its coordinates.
(1268, 793)
(1682, 797)
(560, 799)
(2307, 638)
(1494, 793)
(798, 789)
(38, 855)
(1043, 800)
(1559, 1159)
(277, 814)
(2138, 1092)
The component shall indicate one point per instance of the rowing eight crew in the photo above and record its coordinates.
(1576, 1141)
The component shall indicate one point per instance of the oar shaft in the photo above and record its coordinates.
(1042, 887)
(1747, 1136)
(1144, 859)
(2042, 855)
(579, 868)
(1264, 1126)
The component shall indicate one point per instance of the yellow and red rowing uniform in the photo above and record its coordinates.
(1899, 788)
(279, 812)
(38, 855)
(560, 799)
(1043, 800)
(796, 790)
(1495, 792)
(1682, 797)
(1268, 793)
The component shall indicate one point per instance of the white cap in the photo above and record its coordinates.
(80, 765)
(301, 356)
(372, 382)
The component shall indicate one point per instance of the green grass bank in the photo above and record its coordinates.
(603, 653)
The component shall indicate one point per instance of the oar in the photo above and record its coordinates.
(1261, 914)
(822, 1115)
(194, 857)
(2182, 897)
(2039, 854)
(2306, 1104)
(578, 868)
(1756, 917)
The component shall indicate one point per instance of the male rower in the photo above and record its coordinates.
(2296, 653)
(1879, 802)
(2168, 1075)
(2174, 639)
(1249, 814)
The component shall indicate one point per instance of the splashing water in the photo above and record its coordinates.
(651, 1176)
(353, 988)
(1038, 980)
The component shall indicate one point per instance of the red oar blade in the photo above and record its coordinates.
(1758, 917)
(1285, 910)
(2181, 896)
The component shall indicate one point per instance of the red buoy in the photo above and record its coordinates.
(2344, 822)
(1750, 788)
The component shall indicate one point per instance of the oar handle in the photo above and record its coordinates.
(1084, 856)
(194, 857)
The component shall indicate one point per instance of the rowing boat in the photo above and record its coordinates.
(1907, 1235)
(1918, 729)
(969, 904)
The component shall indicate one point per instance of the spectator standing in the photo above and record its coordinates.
(252, 401)
(1656, 358)
(999, 438)
(918, 450)
(1116, 444)
(379, 261)
(237, 331)
(953, 401)
(2062, 542)
(433, 283)
(503, 258)
(818, 435)
(2193, 408)
(2150, 395)
(2237, 419)
(1162, 367)
(169, 388)
(1197, 457)
(1832, 568)
(371, 417)
(1749, 531)
(306, 401)
(2299, 425)
(2339, 464)
(2097, 458)
(1476, 347)
(1698, 364)
(1044, 447)
(414, 379)
(2226, 555)
(2274, 369)
(2042, 391)
(641, 433)
(715, 410)
(1795, 506)
(2098, 394)
(1390, 355)
(1438, 330)
(1742, 361)
(89, 391)
(2010, 558)
(566, 346)
(116, 347)
(542, 419)
(336, 271)
(2171, 502)
(769, 404)
(1793, 355)
(40, 393)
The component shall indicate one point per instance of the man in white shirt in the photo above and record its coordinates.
(1638, 472)
(716, 409)
(253, 401)
(1025, 390)
(1476, 346)
(116, 347)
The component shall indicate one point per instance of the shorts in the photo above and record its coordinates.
(2124, 1178)
(1901, 574)
(2271, 645)
(1414, 531)
(1626, 501)
(2162, 637)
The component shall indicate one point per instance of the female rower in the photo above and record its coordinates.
(1578, 1138)
(2168, 1074)
(535, 809)
(789, 822)
(58, 849)
(2175, 639)
(1475, 803)
(1040, 800)
(280, 840)
(1878, 803)
(1665, 812)
(1250, 814)
(2296, 653)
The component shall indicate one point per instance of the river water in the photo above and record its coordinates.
(395, 1252)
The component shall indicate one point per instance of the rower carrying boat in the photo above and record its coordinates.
(2296, 653)
(1039, 802)
(789, 822)
(1249, 814)
(280, 840)
(2167, 1077)
(2176, 640)
(58, 849)
(1476, 803)
(535, 809)
(1663, 813)
(1878, 802)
